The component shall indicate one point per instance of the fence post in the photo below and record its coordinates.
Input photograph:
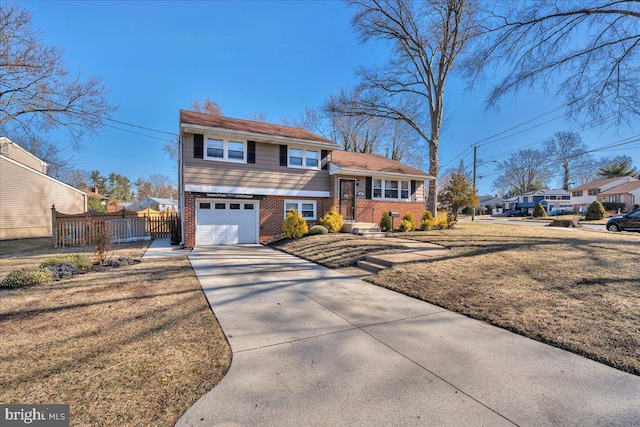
(53, 226)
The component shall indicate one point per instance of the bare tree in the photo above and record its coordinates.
(206, 106)
(259, 116)
(38, 93)
(77, 178)
(569, 151)
(589, 49)
(357, 133)
(425, 39)
(156, 186)
(523, 171)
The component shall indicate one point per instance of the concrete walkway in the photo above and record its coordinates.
(162, 247)
(314, 347)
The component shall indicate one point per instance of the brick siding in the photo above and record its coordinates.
(271, 216)
(371, 210)
(272, 213)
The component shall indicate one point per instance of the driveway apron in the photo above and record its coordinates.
(312, 346)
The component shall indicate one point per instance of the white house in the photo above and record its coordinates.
(585, 194)
(155, 203)
(627, 194)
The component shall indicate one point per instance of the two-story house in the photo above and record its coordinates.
(585, 194)
(550, 199)
(27, 194)
(238, 178)
(627, 194)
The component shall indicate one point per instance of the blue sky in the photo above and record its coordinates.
(273, 57)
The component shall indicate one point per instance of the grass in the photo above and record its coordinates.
(342, 250)
(135, 345)
(574, 289)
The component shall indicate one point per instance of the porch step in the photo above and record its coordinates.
(371, 266)
(350, 226)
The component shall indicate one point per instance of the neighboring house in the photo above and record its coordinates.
(154, 203)
(93, 194)
(550, 199)
(27, 194)
(627, 194)
(238, 178)
(585, 194)
(490, 204)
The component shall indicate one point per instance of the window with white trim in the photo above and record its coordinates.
(306, 208)
(226, 151)
(307, 159)
(390, 189)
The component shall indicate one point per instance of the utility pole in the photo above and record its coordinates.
(475, 165)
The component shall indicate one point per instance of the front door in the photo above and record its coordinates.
(348, 199)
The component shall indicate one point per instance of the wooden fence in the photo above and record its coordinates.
(123, 226)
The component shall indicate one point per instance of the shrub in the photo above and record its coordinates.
(386, 223)
(595, 211)
(443, 224)
(539, 211)
(318, 229)
(81, 262)
(26, 276)
(428, 221)
(408, 222)
(613, 206)
(294, 225)
(332, 221)
(103, 246)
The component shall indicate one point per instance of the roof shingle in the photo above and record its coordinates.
(209, 120)
(372, 163)
(624, 188)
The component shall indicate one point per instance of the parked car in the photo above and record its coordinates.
(628, 222)
(557, 212)
(513, 212)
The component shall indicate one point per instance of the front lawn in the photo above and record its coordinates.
(135, 345)
(575, 289)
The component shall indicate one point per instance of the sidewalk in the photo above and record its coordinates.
(314, 347)
(162, 248)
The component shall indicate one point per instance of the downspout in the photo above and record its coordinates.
(181, 187)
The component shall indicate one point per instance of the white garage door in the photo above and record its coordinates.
(221, 222)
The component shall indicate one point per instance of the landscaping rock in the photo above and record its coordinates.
(567, 223)
(122, 261)
(62, 271)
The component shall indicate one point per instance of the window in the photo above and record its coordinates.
(390, 189)
(306, 208)
(593, 192)
(404, 189)
(205, 205)
(228, 151)
(248, 206)
(576, 193)
(311, 159)
(377, 188)
(616, 198)
(299, 158)
(393, 189)
(220, 206)
(234, 206)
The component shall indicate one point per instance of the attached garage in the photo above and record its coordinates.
(226, 222)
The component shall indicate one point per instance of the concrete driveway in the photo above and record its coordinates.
(314, 347)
